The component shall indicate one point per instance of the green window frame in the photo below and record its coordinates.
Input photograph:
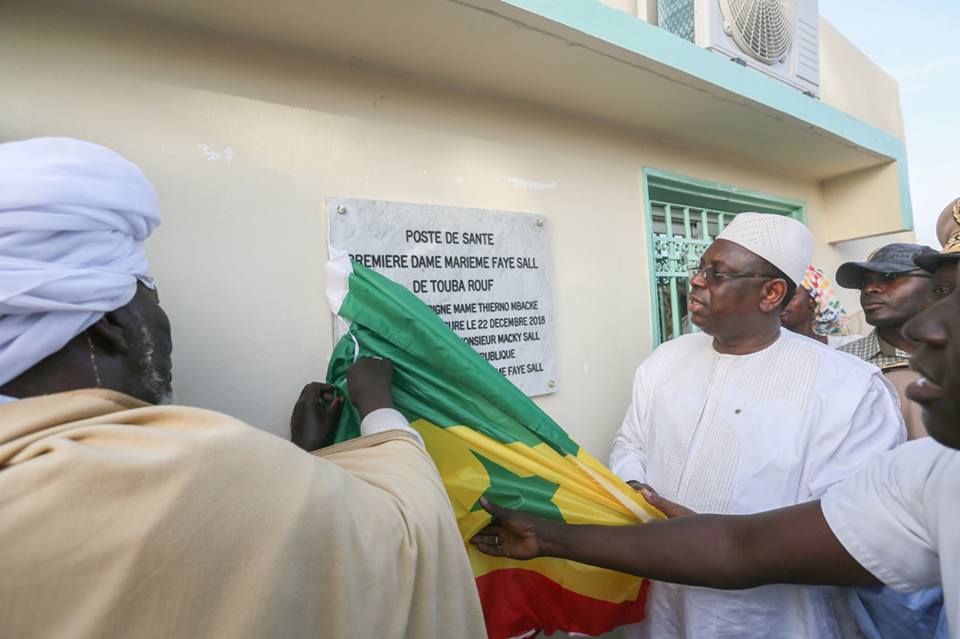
(683, 216)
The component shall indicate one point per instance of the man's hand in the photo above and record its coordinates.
(315, 416)
(512, 534)
(664, 505)
(369, 384)
(790, 545)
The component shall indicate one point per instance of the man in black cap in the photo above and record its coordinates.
(892, 291)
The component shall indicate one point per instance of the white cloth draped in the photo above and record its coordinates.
(73, 219)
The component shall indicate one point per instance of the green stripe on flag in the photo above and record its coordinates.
(437, 376)
(532, 494)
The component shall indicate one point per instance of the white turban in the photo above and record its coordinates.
(73, 218)
(781, 240)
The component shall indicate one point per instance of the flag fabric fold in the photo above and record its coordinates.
(489, 439)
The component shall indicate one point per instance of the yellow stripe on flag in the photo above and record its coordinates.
(587, 493)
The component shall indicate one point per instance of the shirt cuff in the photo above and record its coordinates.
(384, 419)
(630, 471)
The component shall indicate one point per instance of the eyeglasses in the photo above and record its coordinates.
(715, 276)
(889, 278)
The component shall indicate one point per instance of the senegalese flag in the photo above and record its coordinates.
(489, 439)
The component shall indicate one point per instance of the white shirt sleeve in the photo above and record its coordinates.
(384, 419)
(885, 514)
(628, 453)
(876, 426)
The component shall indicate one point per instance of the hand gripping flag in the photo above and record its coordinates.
(489, 439)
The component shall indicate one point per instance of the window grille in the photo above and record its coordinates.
(676, 16)
(685, 216)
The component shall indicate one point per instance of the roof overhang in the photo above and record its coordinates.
(577, 57)
(573, 56)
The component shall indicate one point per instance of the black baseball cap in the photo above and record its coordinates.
(892, 258)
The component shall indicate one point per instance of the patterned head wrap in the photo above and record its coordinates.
(829, 318)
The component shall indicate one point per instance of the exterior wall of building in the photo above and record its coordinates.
(628, 6)
(857, 197)
(243, 142)
(852, 83)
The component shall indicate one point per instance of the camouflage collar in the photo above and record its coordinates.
(878, 352)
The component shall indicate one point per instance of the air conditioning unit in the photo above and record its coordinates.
(780, 38)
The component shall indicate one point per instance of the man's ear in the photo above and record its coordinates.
(109, 333)
(772, 293)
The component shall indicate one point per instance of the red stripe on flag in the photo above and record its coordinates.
(517, 602)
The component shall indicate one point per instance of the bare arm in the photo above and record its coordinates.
(790, 545)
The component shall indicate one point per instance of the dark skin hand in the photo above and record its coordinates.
(664, 505)
(315, 416)
(369, 382)
(790, 545)
(317, 411)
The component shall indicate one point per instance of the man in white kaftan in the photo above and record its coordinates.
(774, 422)
(894, 522)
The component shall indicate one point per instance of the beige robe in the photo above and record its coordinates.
(121, 519)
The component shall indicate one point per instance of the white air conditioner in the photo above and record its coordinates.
(780, 38)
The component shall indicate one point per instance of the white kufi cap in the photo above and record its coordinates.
(781, 240)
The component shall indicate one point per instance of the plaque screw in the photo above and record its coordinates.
(552, 383)
(341, 209)
(539, 221)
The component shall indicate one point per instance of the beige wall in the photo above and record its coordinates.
(861, 200)
(244, 142)
(852, 83)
